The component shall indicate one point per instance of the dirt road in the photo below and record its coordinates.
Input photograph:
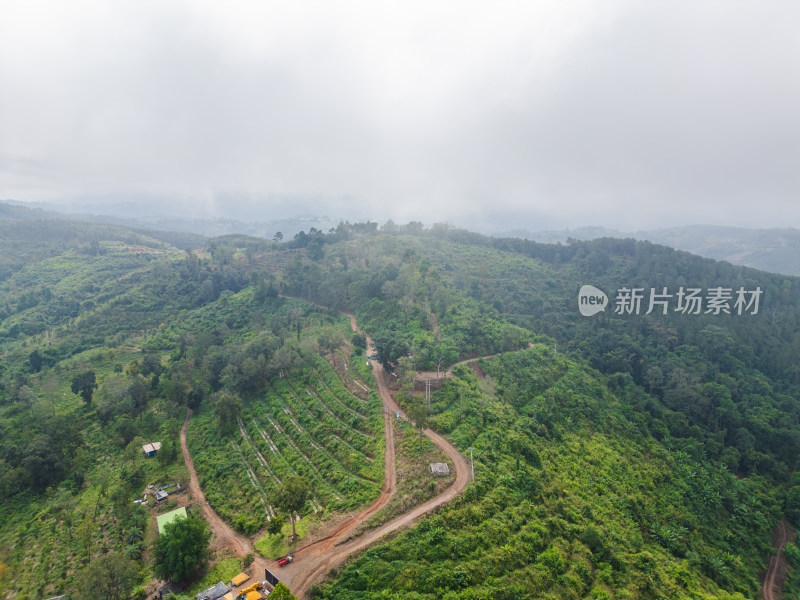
(224, 536)
(421, 376)
(781, 535)
(313, 561)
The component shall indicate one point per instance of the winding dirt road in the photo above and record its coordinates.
(224, 536)
(447, 373)
(313, 561)
(781, 535)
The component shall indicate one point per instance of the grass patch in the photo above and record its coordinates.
(224, 571)
(274, 546)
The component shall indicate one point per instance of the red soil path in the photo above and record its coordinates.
(313, 561)
(780, 536)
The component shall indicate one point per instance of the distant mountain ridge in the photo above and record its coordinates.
(774, 250)
(148, 217)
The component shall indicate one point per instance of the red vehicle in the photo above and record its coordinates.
(285, 560)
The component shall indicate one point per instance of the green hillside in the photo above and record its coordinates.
(715, 394)
(616, 456)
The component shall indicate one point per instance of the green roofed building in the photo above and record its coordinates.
(162, 520)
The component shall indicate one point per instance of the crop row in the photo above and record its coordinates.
(319, 441)
(317, 416)
(329, 381)
(325, 435)
(300, 461)
(224, 478)
(254, 481)
(315, 428)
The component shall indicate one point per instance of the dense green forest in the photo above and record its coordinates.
(616, 456)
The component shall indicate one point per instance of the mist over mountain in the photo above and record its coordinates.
(774, 250)
(767, 249)
(236, 215)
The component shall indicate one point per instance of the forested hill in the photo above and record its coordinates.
(619, 455)
(773, 250)
(733, 378)
(536, 286)
(718, 388)
(31, 234)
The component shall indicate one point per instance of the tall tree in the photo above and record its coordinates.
(35, 360)
(182, 549)
(228, 408)
(443, 356)
(49, 387)
(330, 340)
(418, 412)
(84, 385)
(406, 375)
(291, 497)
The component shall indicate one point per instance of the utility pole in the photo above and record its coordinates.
(428, 390)
(472, 463)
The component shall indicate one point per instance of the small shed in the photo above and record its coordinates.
(215, 591)
(151, 448)
(163, 520)
(440, 469)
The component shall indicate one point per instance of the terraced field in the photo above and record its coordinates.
(313, 427)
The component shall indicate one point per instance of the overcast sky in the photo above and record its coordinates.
(536, 114)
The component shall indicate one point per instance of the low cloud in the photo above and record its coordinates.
(625, 114)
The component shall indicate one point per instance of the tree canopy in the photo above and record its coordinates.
(281, 592)
(291, 497)
(182, 549)
(108, 577)
(84, 385)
